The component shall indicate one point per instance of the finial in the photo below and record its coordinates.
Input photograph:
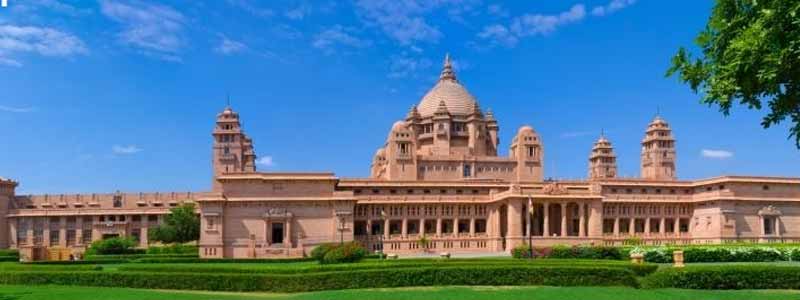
(602, 132)
(447, 70)
(228, 99)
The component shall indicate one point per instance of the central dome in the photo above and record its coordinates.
(448, 90)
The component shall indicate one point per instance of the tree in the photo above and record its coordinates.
(750, 55)
(180, 226)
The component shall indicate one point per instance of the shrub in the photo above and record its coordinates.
(192, 260)
(567, 252)
(344, 253)
(116, 245)
(726, 277)
(521, 251)
(319, 252)
(384, 278)
(174, 249)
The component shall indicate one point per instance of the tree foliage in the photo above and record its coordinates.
(180, 226)
(750, 55)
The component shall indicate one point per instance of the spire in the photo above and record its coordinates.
(413, 113)
(447, 70)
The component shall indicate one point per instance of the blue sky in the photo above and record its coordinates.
(109, 95)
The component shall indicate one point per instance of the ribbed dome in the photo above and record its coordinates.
(448, 90)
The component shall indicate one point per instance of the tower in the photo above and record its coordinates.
(7, 188)
(602, 160)
(232, 149)
(658, 151)
(527, 150)
(399, 154)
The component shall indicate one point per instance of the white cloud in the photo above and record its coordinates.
(130, 149)
(402, 21)
(402, 66)
(30, 6)
(716, 154)
(229, 47)
(44, 41)
(497, 10)
(251, 8)
(538, 24)
(265, 161)
(498, 35)
(298, 13)
(156, 30)
(17, 109)
(338, 35)
(611, 7)
(574, 134)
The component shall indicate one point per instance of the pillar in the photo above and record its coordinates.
(46, 232)
(404, 228)
(632, 226)
(677, 226)
(528, 220)
(647, 226)
(546, 223)
(287, 237)
(62, 234)
(582, 222)
(369, 227)
(455, 227)
(79, 230)
(386, 228)
(438, 227)
(143, 237)
(95, 232)
(563, 219)
(662, 227)
(12, 228)
(472, 227)
(421, 227)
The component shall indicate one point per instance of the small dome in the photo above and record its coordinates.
(399, 125)
(602, 140)
(526, 129)
(380, 153)
(659, 121)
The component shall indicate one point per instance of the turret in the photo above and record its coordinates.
(527, 150)
(232, 150)
(658, 151)
(7, 192)
(400, 153)
(602, 160)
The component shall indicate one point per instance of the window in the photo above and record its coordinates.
(467, 171)
(54, 237)
(117, 201)
(765, 187)
(86, 237)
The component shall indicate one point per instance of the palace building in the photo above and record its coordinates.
(437, 178)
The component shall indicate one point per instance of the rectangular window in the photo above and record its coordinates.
(54, 237)
(86, 237)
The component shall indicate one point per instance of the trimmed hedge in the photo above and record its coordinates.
(189, 260)
(174, 249)
(567, 252)
(386, 278)
(338, 253)
(723, 254)
(726, 277)
(138, 256)
(638, 269)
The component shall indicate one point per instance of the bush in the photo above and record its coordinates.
(726, 277)
(384, 278)
(191, 260)
(699, 254)
(338, 253)
(116, 245)
(521, 251)
(344, 253)
(132, 257)
(174, 249)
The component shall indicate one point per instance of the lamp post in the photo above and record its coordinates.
(530, 228)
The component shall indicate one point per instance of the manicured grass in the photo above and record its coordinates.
(435, 293)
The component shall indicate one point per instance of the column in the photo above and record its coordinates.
(582, 222)
(404, 228)
(647, 226)
(472, 227)
(421, 227)
(95, 232)
(616, 226)
(455, 227)
(778, 226)
(79, 230)
(287, 238)
(386, 228)
(514, 220)
(546, 223)
(563, 219)
(46, 232)
(662, 227)
(143, 239)
(12, 228)
(62, 234)
(677, 226)
(438, 227)
(31, 223)
(528, 220)
(632, 226)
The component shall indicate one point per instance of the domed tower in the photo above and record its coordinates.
(658, 151)
(527, 150)
(7, 191)
(232, 149)
(602, 160)
(398, 154)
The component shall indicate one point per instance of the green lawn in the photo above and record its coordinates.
(443, 293)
